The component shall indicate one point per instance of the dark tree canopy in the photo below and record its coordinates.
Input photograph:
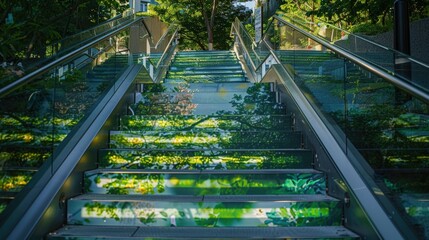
(204, 24)
(38, 23)
(351, 13)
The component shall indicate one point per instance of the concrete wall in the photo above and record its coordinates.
(139, 38)
(419, 38)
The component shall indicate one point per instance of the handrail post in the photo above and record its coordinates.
(401, 42)
(402, 27)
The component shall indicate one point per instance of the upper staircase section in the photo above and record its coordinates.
(205, 66)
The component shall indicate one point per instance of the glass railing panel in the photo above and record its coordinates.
(37, 117)
(45, 55)
(384, 57)
(249, 46)
(390, 130)
(388, 127)
(27, 134)
(156, 62)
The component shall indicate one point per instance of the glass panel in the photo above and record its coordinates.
(390, 129)
(27, 134)
(384, 57)
(41, 57)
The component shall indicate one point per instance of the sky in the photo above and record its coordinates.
(249, 4)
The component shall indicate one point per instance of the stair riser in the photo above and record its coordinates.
(205, 160)
(234, 67)
(204, 87)
(205, 97)
(177, 123)
(205, 140)
(207, 214)
(208, 109)
(198, 184)
(206, 80)
(14, 181)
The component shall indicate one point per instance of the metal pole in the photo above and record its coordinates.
(402, 27)
(401, 42)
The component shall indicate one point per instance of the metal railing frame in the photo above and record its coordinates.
(157, 71)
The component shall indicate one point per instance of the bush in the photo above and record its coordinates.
(370, 28)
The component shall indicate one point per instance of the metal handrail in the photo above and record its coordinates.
(406, 86)
(104, 27)
(161, 39)
(31, 76)
(173, 37)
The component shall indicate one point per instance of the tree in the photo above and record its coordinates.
(348, 13)
(38, 23)
(202, 21)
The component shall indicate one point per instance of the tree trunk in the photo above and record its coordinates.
(209, 21)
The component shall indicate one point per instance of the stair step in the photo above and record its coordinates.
(210, 159)
(208, 68)
(208, 97)
(206, 87)
(205, 182)
(23, 156)
(207, 109)
(188, 122)
(14, 181)
(206, 79)
(203, 72)
(202, 53)
(199, 58)
(192, 63)
(205, 139)
(207, 210)
(125, 232)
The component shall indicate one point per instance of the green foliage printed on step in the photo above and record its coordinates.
(209, 159)
(205, 184)
(206, 214)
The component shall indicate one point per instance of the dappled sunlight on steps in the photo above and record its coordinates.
(205, 155)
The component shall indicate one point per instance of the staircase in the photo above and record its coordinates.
(205, 155)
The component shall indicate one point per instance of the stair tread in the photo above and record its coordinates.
(185, 171)
(211, 130)
(124, 232)
(227, 116)
(205, 198)
(207, 87)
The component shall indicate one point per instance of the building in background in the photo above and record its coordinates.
(141, 5)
